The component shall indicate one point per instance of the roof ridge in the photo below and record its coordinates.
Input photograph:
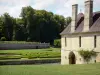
(95, 27)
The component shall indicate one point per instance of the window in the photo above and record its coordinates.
(95, 41)
(79, 41)
(65, 42)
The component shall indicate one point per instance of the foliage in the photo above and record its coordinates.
(1, 27)
(8, 24)
(68, 20)
(20, 33)
(86, 54)
(3, 39)
(57, 43)
(33, 25)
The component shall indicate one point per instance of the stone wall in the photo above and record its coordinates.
(24, 46)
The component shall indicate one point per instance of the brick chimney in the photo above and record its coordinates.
(74, 17)
(88, 15)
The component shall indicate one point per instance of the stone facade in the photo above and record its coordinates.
(72, 42)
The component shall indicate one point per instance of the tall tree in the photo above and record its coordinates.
(34, 25)
(1, 27)
(8, 23)
(42, 26)
(27, 15)
(61, 21)
(20, 31)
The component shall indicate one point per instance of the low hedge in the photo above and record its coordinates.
(33, 55)
(42, 55)
(30, 54)
(9, 57)
(23, 62)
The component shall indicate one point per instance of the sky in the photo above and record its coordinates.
(61, 7)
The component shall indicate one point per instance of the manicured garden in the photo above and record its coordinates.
(88, 69)
(30, 53)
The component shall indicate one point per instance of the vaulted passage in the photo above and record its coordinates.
(72, 59)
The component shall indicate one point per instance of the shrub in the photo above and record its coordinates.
(57, 43)
(87, 55)
(28, 39)
(3, 39)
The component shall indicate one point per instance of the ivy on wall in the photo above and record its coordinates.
(87, 55)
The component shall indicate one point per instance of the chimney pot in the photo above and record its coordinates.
(74, 17)
(88, 15)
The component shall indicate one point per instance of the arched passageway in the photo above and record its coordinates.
(72, 59)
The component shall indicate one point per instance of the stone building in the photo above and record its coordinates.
(82, 33)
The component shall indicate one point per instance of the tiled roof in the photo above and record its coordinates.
(95, 27)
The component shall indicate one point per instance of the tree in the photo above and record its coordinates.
(68, 21)
(42, 26)
(46, 26)
(33, 25)
(1, 27)
(20, 34)
(61, 21)
(20, 31)
(27, 15)
(8, 24)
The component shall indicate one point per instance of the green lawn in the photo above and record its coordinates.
(30, 53)
(89, 69)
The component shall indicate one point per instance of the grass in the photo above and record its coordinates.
(30, 53)
(89, 69)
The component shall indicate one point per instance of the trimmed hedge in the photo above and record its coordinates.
(23, 62)
(57, 43)
(30, 54)
(33, 55)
